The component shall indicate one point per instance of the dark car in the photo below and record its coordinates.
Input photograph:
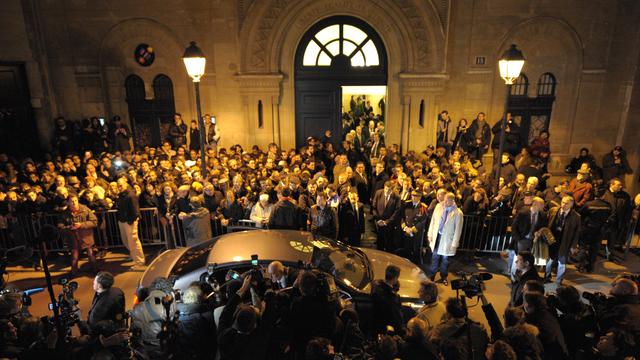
(352, 268)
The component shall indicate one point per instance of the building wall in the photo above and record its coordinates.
(79, 52)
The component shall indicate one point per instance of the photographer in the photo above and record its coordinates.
(576, 320)
(537, 314)
(241, 333)
(622, 310)
(312, 315)
(433, 310)
(196, 326)
(149, 319)
(458, 327)
(108, 301)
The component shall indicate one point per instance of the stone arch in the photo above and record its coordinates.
(117, 62)
(413, 28)
(550, 45)
(411, 31)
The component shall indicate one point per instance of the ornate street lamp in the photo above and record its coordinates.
(510, 65)
(195, 62)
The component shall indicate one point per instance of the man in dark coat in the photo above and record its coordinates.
(414, 220)
(525, 224)
(479, 134)
(322, 218)
(564, 223)
(615, 164)
(196, 327)
(386, 302)
(615, 230)
(551, 336)
(512, 138)
(378, 178)
(362, 183)
(108, 301)
(594, 214)
(351, 220)
(525, 271)
(285, 213)
(119, 135)
(128, 215)
(385, 207)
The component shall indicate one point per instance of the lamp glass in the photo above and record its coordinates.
(195, 67)
(510, 70)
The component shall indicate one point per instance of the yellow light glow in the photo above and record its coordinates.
(237, 258)
(359, 90)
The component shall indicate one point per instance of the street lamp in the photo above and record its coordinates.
(195, 61)
(510, 65)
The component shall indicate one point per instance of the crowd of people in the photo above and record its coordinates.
(338, 186)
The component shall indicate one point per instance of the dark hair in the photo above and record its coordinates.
(430, 288)
(535, 286)
(535, 300)
(525, 344)
(245, 318)
(527, 256)
(387, 348)
(317, 349)
(503, 351)
(391, 272)
(453, 350)
(568, 295)
(308, 283)
(105, 279)
(513, 316)
(285, 192)
(455, 308)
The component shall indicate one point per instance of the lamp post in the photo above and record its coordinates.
(195, 61)
(510, 65)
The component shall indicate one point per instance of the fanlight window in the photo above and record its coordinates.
(341, 39)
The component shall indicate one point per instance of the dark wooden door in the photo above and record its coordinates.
(18, 133)
(317, 110)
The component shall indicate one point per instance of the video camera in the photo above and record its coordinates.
(470, 284)
(67, 305)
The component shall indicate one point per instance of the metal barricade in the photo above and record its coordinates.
(485, 233)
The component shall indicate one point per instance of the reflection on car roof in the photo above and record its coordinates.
(283, 245)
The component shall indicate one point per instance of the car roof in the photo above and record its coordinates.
(284, 245)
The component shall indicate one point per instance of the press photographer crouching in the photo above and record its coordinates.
(620, 310)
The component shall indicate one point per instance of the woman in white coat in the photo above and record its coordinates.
(444, 236)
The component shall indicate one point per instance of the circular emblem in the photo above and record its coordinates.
(144, 55)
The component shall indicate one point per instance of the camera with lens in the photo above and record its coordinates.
(599, 301)
(470, 284)
(68, 305)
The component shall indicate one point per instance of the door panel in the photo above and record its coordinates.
(18, 135)
(317, 110)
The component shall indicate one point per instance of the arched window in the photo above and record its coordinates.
(547, 85)
(134, 88)
(520, 86)
(163, 88)
(341, 39)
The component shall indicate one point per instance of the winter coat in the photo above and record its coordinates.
(451, 232)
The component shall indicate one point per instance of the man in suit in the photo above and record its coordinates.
(361, 183)
(281, 276)
(564, 223)
(351, 220)
(525, 224)
(525, 271)
(108, 301)
(444, 236)
(378, 178)
(385, 207)
(285, 213)
(413, 223)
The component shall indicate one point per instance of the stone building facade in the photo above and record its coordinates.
(440, 53)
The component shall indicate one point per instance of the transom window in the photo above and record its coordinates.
(520, 86)
(547, 85)
(341, 39)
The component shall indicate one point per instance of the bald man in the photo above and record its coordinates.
(281, 276)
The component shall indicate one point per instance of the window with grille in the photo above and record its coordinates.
(341, 39)
(547, 85)
(521, 86)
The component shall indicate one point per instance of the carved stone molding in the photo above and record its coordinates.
(260, 83)
(420, 82)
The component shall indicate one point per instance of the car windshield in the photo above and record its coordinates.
(344, 263)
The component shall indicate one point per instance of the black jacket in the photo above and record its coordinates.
(311, 316)
(284, 215)
(551, 335)
(128, 207)
(197, 330)
(351, 225)
(570, 233)
(108, 305)
(390, 212)
(387, 307)
(521, 227)
(517, 286)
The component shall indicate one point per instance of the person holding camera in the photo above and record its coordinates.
(577, 321)
(195, 326)
(622, 309)
(312, 314)
(537, 313)
(108, 302)
(459, 328)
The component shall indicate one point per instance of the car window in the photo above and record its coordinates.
(343, 263)
(193, 259)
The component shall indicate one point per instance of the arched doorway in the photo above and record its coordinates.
(335, 52)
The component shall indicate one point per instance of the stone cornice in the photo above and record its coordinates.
(423, 81)
(260, 83)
